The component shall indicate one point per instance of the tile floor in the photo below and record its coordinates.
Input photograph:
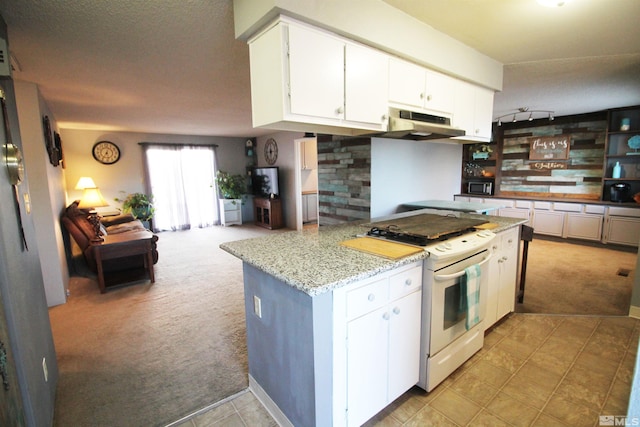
(534, 370)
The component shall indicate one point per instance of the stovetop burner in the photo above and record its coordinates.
(392, 232)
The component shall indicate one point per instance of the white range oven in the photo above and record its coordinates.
(446, 343)
(453, 244)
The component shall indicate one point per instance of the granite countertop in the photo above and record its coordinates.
(314, 262)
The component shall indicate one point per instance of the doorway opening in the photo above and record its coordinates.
(306, 166)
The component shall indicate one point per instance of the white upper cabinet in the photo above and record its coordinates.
(305, 79)
(366, 81)
(415, 86)
(473, 111)
(316, 73)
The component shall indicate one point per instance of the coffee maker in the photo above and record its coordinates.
(620, 192)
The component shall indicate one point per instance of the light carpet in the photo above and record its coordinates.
(578, 279)
(149, 354)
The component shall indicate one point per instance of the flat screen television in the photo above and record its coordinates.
(264, 181)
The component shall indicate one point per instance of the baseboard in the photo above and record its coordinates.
(269, 404)
(634, 311)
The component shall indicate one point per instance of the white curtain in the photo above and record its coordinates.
(181, 179)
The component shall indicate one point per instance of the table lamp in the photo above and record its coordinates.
(91, 199)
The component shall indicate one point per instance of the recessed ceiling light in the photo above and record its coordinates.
(553, 3)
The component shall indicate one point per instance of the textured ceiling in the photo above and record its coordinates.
(169, 66)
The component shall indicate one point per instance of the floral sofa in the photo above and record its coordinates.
(76, 222)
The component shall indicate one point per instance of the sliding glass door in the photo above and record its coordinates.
(182, 181)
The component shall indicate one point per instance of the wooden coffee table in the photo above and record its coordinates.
(124, 245)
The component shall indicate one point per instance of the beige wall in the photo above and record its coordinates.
(127, 175)
(46, 192)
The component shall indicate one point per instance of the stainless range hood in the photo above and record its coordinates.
(405, 124)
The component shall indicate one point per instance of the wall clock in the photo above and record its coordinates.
(271, 151)
(15, 166)
(106, 152)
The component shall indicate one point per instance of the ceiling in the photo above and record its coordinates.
(162, 66)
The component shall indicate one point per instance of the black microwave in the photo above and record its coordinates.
(480, 187)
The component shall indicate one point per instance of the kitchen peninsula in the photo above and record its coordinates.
(298, 286)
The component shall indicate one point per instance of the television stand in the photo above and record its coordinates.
(268, 212)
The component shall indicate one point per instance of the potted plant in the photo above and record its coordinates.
(230, 186)
(139, 205)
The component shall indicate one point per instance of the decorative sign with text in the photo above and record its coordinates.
(548, 165)
(549, 147)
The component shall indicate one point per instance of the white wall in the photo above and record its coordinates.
(127, 175)
(47, 192)
(408, 171)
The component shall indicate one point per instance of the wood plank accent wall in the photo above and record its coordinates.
(344, 179)
(580, 176)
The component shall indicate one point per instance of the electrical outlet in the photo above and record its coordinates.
(257, 306)
(45, 370)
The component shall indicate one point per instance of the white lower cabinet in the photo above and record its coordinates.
(309, 207)
(623, 230)
(230, 211)
(584, 226)
(380, 322)
(548, 222)
(503, 272)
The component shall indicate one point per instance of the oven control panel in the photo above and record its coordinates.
(461, 246)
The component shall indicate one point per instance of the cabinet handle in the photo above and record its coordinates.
(339, 110)
(510, 240)
(495, 247)
(477, 131)
(384, 117)
(429, 97)
(371, 297)
(396, 310)
(504, 258)
(422, 96)
(385, 316)
(407, 282)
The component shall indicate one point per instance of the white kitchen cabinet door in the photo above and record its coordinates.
(439, 92)
(584, 226)
(473, 110)
(406, 83)
(404, 344)
(548, 222)
(367, 361)
(515, 213)
(309, 207)
(309, 154)
(316, 73)
(366, 82)
(622, 230)
(503, 271)
(415, 86)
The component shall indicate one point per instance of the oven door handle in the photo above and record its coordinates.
(441, 277)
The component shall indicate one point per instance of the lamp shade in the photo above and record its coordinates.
(92, 198)
(85, 182)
